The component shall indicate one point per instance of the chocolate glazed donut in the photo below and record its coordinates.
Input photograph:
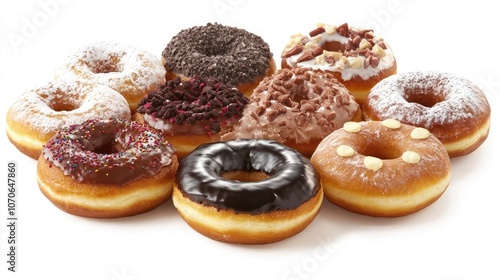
(292, 184)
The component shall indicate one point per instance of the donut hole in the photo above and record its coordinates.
(103, 66)
(381, 149)
(62, 102)
(425, 97)
(333, 46)
(245, 176)
(107, 146)
(64, 106)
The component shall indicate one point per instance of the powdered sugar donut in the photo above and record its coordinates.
(452, 108)
(131, 71)
(39, 113)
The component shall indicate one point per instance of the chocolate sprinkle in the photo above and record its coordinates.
(229, 54)
(195, 100)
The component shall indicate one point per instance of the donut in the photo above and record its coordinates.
(107, 169)
(296, 107)
(248, 191)
(128, 69)
(229, 54)
(38, 113)
(356, 57)
(452, 108)
(382, 168)
(192, 112)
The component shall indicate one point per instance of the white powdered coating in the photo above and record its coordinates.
(35, 108)
(127, 69)
(462, 98)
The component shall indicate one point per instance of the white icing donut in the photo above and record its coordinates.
(356, 57)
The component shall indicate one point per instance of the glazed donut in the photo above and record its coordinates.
(191, 112)
(37, 114)
(231, 55)
(384, 169)
(247, 191)
(107, 169)
(298, 108)
(356, 57)
(452, 108)
(131, 71)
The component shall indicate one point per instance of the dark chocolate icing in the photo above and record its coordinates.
(229, 54)
(292, 182)
(108, 151)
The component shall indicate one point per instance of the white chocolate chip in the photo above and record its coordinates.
(410, 157)
(320, 59)
(373, 163)
(330, 29)
(356, 62)
(364, 44)
(352, 127)
(391, 123)
(378, 51)
(311, 45)
(345, 151)
(316, 39)
(420, 133)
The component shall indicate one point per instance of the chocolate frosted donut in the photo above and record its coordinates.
(229, 54)
(296, 107)
(107, 169)
(278, 203)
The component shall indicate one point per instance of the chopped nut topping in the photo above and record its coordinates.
(317, 31)
(360, 43)
(410, 157)
(292, 51)
(373, 163)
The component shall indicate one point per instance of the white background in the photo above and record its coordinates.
(456, 238)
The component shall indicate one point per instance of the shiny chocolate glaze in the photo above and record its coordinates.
(108, 151)
(292, 179)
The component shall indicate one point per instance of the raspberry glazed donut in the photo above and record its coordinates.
(356, 57)
(38, 113)
(192, 112)
(384, 169)
(231, 55)
(247, 191)
(296, 107)
(452, 108)
(128, 69)
(107, 169)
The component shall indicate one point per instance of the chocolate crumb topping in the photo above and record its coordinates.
(229, 54)
(295, 106)
(194, 101)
